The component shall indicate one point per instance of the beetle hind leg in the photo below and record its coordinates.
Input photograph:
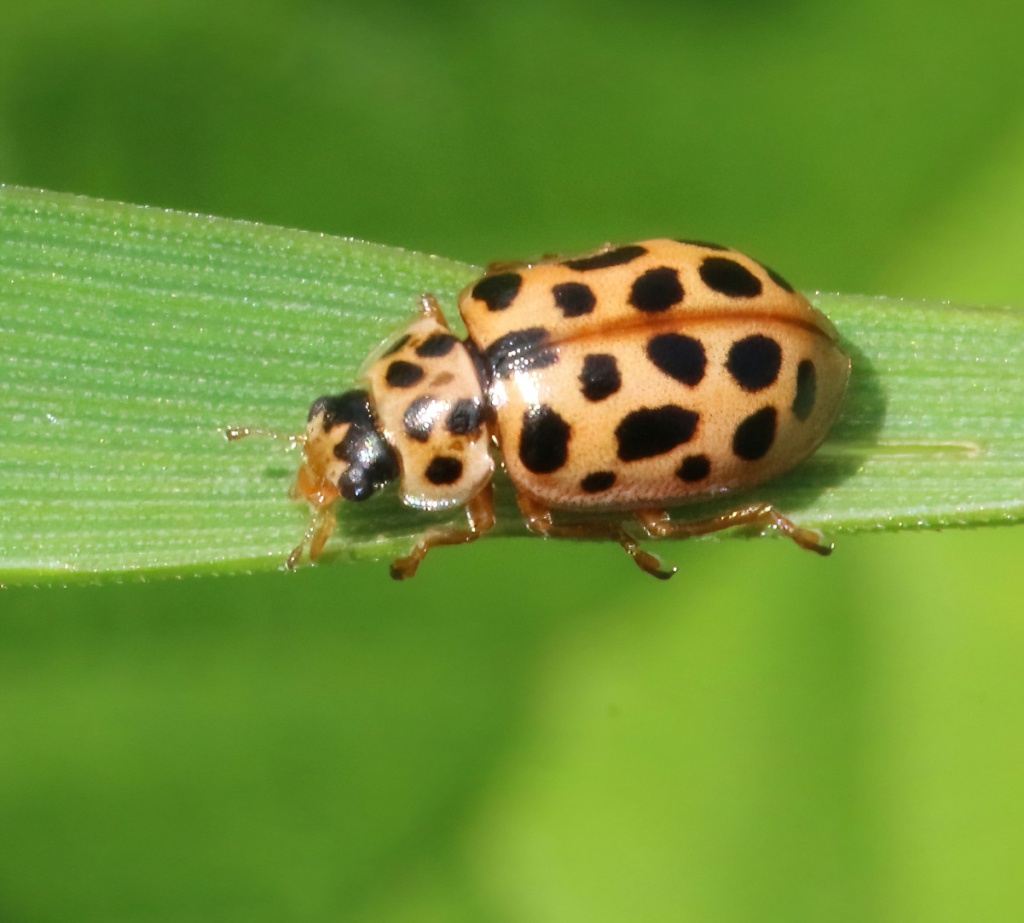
(480, 519)
(658, 524)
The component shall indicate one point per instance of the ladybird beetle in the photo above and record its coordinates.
(623, 382)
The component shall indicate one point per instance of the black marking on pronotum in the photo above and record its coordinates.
(729, 277)
(755, 435)
(656, 290)
(418, 418)
(543, 440)
(465, 417)
(498, 292)
(600, 377)
(402, 374)
(654, 431)
(444, 469)
(754, 362)
(520, 351)
(679, 356)
(606, 258)
(436, 345)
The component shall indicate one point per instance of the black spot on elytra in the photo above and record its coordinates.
(465, 418)
(694, 468)
(597, 481)
(654, 431)
(418, 418)
(402, 374)
(395, 347)
(444, 469)
(806, 390)
(729, 278)
(520, 351)
(755, 435)
(754, 362)
(544, 440)
(600, 377)
(574, 299)
(436, 345)
(656, 290)
(701, 243)
(617, 257)
(678, 356)
(498, 292)
(776, 278)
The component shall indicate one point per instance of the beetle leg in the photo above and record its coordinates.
(480, 518)
(429, 308)
(658, 524)
(321, 526)
(538, 519)
(496, 266)
(307, 486)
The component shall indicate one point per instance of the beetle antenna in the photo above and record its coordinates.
(234, 433)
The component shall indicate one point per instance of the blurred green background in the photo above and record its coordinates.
(533, 731)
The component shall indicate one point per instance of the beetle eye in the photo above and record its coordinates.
(372, 462)
(354, 485)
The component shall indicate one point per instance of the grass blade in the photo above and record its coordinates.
(130, 338)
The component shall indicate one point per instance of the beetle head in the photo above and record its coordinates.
(345, 450)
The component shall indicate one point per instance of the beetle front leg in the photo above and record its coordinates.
(480, 519)
(321, 527)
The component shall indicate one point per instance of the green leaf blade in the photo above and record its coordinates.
(935, 418)
(132, 337)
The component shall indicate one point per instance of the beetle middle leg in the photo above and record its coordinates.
(539, 519)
